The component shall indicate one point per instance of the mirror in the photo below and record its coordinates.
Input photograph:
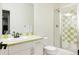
(5, 21)
(17, 18)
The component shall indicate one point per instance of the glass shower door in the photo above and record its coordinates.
(69, 28)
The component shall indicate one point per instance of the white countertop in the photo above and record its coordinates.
(22, 39)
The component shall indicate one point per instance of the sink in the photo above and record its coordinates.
(15, 39)
(23, 37)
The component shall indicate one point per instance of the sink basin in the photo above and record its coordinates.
(14, 39)
(23, 37)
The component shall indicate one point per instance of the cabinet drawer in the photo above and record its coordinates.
(21, 52)
(19, 46)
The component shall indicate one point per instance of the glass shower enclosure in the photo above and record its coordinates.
(68, 20)
(68, 28)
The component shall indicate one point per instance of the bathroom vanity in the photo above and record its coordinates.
(26, 45)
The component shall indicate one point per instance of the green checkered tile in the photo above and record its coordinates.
(69, 35)
(69, 32)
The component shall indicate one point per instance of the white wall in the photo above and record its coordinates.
(43, 21)
(20, 15)
(0, 19)
(57, 35)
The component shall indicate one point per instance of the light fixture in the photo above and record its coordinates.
(68, 14)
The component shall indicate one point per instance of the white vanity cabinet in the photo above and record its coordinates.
(29, 48)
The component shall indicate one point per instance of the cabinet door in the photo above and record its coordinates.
(19, 49)
(38, 47)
